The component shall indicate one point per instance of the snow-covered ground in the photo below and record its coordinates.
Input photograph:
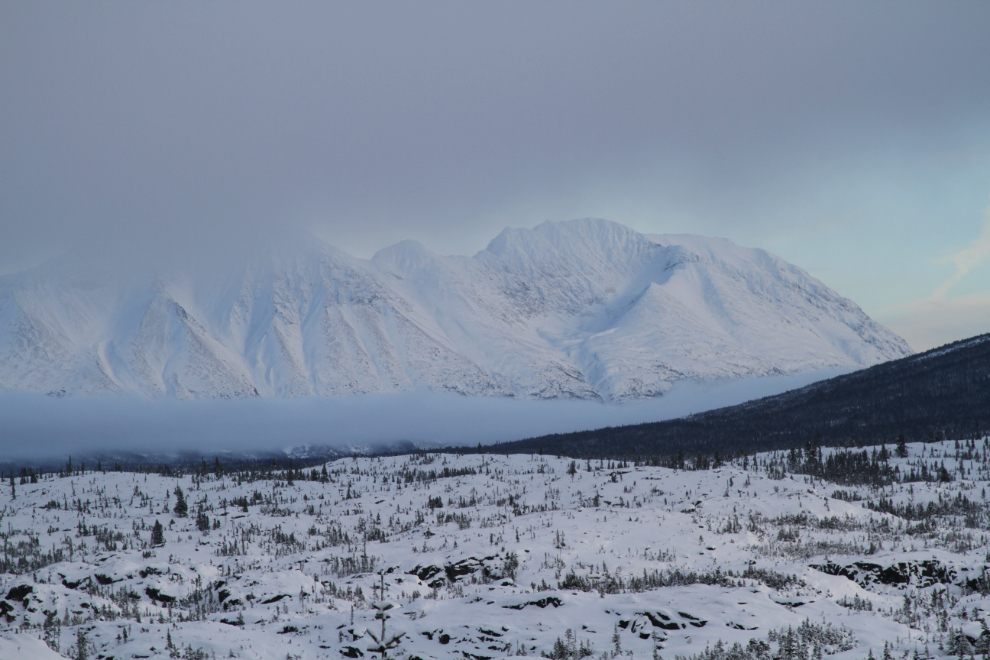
(487, 556)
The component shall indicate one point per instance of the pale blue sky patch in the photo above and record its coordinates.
(966, 261)
(960, 304)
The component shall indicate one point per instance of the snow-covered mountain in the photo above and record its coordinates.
(583, 309)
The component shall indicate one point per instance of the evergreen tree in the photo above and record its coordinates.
(788, 645)
(82, 644)
(656, 646)
(181, 509)
(157, 534)
(902, 450)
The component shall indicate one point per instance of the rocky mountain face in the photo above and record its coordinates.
(581, 309)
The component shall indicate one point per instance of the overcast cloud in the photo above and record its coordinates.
(850, 138)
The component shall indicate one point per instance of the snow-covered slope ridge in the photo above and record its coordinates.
(586, 309)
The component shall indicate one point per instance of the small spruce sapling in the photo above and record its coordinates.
(82, 644)
(157, 534)
(901, 450)
(181, 509)
(383, 643)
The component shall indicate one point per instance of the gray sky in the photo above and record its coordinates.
(852, 139)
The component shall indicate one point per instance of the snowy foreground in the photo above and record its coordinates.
(488, 556)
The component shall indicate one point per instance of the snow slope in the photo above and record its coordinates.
(488, 556)
(582, 309)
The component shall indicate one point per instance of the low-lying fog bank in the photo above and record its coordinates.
(34, 426)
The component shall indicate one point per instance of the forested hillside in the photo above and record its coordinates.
(942, 393)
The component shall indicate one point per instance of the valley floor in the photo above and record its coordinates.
(488, 556)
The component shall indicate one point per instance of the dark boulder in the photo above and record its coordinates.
(20, 592)
(434, 575)
(662, 621)
(425, 573)
(75, 584)
(542, 602)
(918, 573)
(156, 595)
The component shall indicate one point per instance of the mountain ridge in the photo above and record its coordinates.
(579, 309)
(943, 392)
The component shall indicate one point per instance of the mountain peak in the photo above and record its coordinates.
(568, 237)
(583, 308)
(403, 255)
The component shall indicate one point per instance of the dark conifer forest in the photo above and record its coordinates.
(942, 393)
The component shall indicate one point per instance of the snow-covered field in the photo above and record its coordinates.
(487, 556)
